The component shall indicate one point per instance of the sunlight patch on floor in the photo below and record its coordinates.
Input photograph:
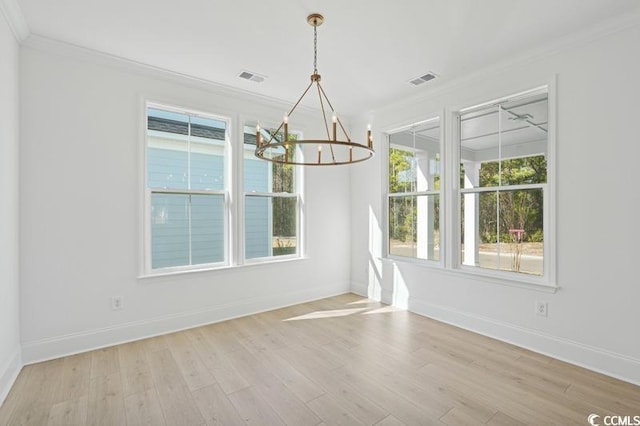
(327, 314)
(383, 310)
(364, 302)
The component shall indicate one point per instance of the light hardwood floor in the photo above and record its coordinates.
(343, 360)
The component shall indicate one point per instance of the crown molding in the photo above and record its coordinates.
(580, 38)
(15, 19)
(97, 57)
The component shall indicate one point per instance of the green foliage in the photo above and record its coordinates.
(281, 251)
(536, 237)
(518, 209)
(284, 209)
(398, 163)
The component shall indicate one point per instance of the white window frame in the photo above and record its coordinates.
(548, 279)
(297, 194)
(148, 270)
(450, 194)
(389, 195)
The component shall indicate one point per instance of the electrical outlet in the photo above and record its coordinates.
(116, 303)
(542, 308)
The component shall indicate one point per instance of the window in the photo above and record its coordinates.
(503, 193)
(483, 207)
(186, 188)
(414, 192)
(271, 203)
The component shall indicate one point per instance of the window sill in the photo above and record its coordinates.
(160, 274)
(485, 276)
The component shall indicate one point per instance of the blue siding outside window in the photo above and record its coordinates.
(257, 235)
(257, 209)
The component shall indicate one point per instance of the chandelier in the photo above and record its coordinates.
(279, 146)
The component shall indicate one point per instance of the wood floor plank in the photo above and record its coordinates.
(255, 333)
(298, 383)
(104, 362)
(216, 407)
(75, 377)
(176, 401)
(263, 359)
(505, 398)
(425, 412)
(194, 372)
(390, 421)
(501, 419)
(253, 409)
(350, 397)
(153, 344)
(134, 368)
(217, 361)
(143, 409)
(439, 398)
(290, 409)
(71, 412)
(297, 331)
(250, 367)
(459, 417)
(331, 412)
(106, 401)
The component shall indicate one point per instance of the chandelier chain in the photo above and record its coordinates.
(315, 49)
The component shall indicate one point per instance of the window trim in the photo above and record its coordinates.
(548, 279)
(148, 192)
(242, 194)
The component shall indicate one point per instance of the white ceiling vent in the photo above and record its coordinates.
(422, 79)
(251, 76)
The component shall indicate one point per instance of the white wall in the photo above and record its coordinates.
(593, 318)
(10, 362)
(81, 189)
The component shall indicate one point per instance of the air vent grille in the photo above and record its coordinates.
(422, 79)
(251, 76)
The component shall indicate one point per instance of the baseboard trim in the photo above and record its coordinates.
(9, 374)
(592, 358)
(59, 346)
(360, 289)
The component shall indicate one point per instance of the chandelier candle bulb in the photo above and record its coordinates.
(369, 138)
(286, 127)
(258, 136)
(319, 154)
(334, 119)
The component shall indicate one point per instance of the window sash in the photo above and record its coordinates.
(272, 256)
(190, 234)
(502, 188)
(416, 193)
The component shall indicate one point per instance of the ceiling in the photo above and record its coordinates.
(367, 51)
